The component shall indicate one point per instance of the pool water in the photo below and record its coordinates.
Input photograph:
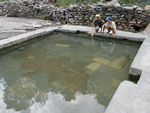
(63, 73)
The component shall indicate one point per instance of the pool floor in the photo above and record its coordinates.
(63, 73)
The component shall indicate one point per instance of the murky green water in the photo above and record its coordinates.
(62, 73)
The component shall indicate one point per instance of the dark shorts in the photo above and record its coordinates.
(97, 28)
(110, 29)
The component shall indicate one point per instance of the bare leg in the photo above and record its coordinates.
(97, 28)
(113, 31)
(103, 28)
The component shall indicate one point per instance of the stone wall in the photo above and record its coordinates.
(127, 18)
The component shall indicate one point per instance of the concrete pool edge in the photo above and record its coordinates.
(26, 36)
(138, 67)
(119, 34)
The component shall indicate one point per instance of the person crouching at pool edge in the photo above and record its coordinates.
(98, 22)
(110, 26)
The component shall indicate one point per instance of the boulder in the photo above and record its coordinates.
(147, 7)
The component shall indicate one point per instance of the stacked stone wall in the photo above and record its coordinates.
(127, 18)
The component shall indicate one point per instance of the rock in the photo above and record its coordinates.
(36, 25)
(140, 9)
(71, 7)
(113, 4)
(30, 28)
(128, 8)
(102, 60)
(71, 20)
(63, 45)
(119, 62)
(147, 7)
(100, 3)
(30, 57)
(137, 8)
(93, 66)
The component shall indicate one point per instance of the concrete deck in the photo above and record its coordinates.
(129, 97)
(12, 26)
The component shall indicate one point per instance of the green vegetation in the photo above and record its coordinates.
(2, 0)
(140, 3)
(68, 2)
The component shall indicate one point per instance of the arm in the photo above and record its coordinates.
(93, 29)
(93, 32)
(114, 28)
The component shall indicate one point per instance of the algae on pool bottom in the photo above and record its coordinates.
(63, 73)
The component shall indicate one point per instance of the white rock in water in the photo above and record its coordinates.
(63, 45)
(93, 66)
(102, 60)
(30, 57)
(119, 62)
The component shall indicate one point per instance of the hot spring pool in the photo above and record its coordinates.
(63, 73)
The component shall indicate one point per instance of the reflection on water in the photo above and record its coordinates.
(63, 74)
(55, 103)
(82, 104)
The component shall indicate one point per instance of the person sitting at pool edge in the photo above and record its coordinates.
(98, 22)
(110, 25)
